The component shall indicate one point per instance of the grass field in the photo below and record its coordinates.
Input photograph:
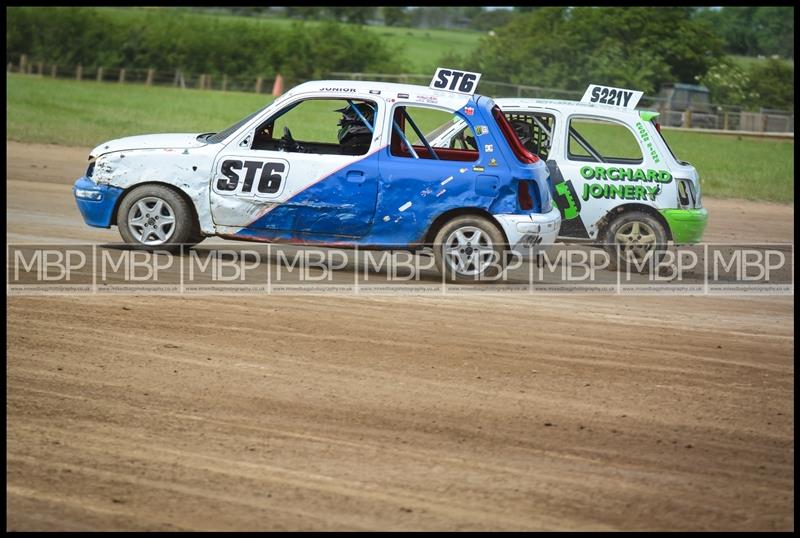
(88, 113)
(745, 62)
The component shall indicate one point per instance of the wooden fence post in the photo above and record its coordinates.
(725, 121)
(30, 68)
(99, 74)
(225, 83)
(200, 81)
(207, 82)
(764, 118)
(9, 67)
(23, 63)
(258, 84)
(122, 76)
(53, 70)
(150, 73)
(177, 77)
(39, 68)
(687, 122)
(79, 72)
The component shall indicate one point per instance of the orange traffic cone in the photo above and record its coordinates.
(277, 88)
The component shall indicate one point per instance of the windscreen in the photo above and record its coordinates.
(216, 138)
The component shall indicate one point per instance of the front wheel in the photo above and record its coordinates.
(155, 216)
(469, 248)
(635, 240)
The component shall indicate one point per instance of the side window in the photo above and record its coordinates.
(322, 126)
(595, 140)
(415, 127)
(534, 130)
(462, 138)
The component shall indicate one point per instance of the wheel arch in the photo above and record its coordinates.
(450, 214)
(610, 216)
(183, 194)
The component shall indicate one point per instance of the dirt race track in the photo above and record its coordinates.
(345, 412)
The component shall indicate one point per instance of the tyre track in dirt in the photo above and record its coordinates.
(393, 413)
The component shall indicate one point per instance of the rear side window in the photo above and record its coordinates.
(595, 140)
(534, 130)
(409, 138)
(520, 152)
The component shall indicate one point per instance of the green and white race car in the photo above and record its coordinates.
(615, 179)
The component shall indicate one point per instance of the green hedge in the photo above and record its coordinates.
(165, 39)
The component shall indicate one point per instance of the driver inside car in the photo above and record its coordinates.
(355, 137)
(524, 132)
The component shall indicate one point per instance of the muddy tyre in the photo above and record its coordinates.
(637, 234)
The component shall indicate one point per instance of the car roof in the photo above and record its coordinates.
(400, 93)
(561, 104)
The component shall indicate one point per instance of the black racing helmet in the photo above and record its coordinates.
(351, 124)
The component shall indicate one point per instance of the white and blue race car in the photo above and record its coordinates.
(335, 163)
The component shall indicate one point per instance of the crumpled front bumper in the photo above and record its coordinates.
(529, 234)
(96, 202)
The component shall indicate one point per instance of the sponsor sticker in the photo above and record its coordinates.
(402, 96)
(488, 148)
(469, 111)
(481, 130)
(478, 168)
(493, 162)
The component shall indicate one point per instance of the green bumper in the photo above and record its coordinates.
(686, 225)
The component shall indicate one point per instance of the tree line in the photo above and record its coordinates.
(167, 39)
(634, 47)
(749, 31)
(555, 47)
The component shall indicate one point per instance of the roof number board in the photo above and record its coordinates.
(607, 95)
(453, 80)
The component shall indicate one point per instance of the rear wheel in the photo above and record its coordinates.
(634, 238)
(469, 248)
(156, 217)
